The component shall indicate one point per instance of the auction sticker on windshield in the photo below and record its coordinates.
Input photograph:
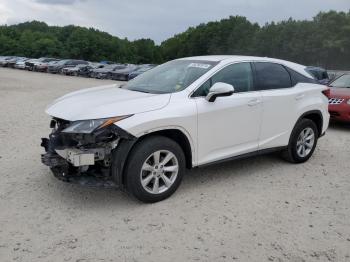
(198, 65)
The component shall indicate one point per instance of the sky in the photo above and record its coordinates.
(158, 19)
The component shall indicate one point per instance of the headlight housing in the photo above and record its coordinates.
(88, 126)
(348, 102)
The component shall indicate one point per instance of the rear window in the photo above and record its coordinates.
(318, 73)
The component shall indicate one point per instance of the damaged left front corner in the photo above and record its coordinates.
(82, 158)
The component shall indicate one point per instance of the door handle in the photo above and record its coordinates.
(299, 97)
(254, 102)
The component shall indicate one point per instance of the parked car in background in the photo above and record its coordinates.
(319, 73)
(124, 73)
(43, 66)
(339, 98)
(30, 64)
(186, 113)
(105, 72)
(20, 64)
(140, 71)
(4, 60)
(85, 71)
(12, 62)
(57, 67)
(74, 71)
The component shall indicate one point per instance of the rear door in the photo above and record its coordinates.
(280, 103)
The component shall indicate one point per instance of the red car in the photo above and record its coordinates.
(339, 98)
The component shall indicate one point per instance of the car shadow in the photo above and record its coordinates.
(339, 126)
(84, 196)
(231, 170)
(197, 178)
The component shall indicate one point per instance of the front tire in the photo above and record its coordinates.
(155, 169)
(302, 142)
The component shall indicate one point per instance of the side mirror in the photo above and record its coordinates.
(219, 89)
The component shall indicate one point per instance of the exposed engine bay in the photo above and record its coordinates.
(90, 159)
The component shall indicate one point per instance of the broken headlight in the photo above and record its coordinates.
(88, 126)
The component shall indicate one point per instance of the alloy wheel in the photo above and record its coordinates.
(305, 142)
(159, 172)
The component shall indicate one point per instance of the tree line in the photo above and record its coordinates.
(323, 41)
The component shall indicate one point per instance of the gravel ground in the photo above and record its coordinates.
(259, 209)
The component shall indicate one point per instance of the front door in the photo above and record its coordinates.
(230, 126)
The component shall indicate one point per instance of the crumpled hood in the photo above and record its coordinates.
(104, 102)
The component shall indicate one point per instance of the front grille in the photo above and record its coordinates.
(335, 101)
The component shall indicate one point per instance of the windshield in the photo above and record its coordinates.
(343, 81)
(170, 77)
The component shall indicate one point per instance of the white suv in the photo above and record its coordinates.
(183, 114)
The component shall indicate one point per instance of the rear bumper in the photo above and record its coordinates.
(340, 112)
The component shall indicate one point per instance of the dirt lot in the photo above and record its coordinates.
(259, 209)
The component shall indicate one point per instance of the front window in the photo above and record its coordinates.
(240, 76)
(343, 81)
(170, 77)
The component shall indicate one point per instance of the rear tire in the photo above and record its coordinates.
(155, 169)
(302, 142)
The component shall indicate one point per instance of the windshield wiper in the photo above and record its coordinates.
(142, 91)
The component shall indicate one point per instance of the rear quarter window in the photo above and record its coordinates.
(299, 78)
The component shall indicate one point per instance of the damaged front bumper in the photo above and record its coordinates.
(95, 159)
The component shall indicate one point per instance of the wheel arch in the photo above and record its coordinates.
(179, 136)
(315, 116)
(122, 153)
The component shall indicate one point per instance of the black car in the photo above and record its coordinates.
(140, 71)
(105, 72)
(85, 71)
(80, 70)
(57, 67)
(320, 74)
(124, 73)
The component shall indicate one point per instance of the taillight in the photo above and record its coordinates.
(327, 92)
